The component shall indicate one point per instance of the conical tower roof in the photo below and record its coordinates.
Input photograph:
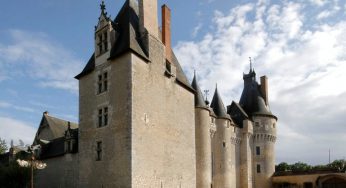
(218, 106)
(199, 100)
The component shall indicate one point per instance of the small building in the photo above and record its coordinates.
(310, 179)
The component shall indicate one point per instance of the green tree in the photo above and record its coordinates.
(282, 167)
(300, 166)
(14, 176)
(338, 165)
(3, 146)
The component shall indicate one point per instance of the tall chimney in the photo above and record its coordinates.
(148, 16)
(166, 31)
(264, 88)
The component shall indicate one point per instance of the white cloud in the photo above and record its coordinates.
(196, 30)
(324, 14)
(43, 59)
(12, 129)
(305, 66)
(7, 105)
(319, 2)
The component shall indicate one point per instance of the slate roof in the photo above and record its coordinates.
(199, 100)
(237, 113)
(252, 100)
(130, 39)
(54, 148)
(58, 126)
(218, 106)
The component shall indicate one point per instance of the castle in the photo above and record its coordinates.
(142, 124)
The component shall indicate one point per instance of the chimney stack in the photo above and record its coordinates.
(166, 31)
(148, 16)
(264, 88)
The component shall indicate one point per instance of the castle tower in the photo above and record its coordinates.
(254, 101)
(223, 148)
(137, 112)
(205, 130)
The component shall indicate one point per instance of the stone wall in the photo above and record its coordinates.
(114, 169)
(264, 138)
(60, 172)
(163, 125)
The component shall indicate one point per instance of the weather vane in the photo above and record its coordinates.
(206, 93)
(250, 63)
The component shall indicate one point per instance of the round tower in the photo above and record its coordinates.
(254, 101)
(204, 130)
(223, 147)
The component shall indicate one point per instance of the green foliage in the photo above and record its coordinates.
(300, 166)
(3, 146)
(282, 167)
(14, 176)
(339, 165)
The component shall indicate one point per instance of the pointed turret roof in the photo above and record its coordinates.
(199, 101)
(252, 100)
(218, 106)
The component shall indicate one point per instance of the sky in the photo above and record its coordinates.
(300, 45)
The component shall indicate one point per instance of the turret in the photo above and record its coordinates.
(254, 101)
(223, 148)
(203, 133)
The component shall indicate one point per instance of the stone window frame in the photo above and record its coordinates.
(102, 82)
(99, 150)
(102, 42)
(258, 150)
(258, 168)
(102, 116)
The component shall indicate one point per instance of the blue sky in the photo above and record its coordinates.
(300, 45)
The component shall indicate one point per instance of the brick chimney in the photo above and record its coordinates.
(148, 16)
(166, 31)
(264, 88)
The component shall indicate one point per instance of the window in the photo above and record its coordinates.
(258, 150)
(257, 124)
(99, 151)
(274, 125)
(99, 44)
(102, 42)
(99, 84)
(105, 41)
(105, 116)
(308, 185)
(102, 117)
(68, 146)
(224, 144)
(258, 168)
(105, 81)
(102, 82)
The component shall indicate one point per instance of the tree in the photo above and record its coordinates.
(300, 166)
(3, 146)
(338, 165)
(14, 176)
(282, 167)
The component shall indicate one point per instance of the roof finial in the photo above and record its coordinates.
(250, 64)
(103, 7)
(206, 93)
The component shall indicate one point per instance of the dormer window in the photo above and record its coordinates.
(102, 43)
(105, 41)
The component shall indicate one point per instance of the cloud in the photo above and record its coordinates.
(319, 2)
(196, 30)
(7, 105)
(305, 63)
(39, 58)
(12, 129)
